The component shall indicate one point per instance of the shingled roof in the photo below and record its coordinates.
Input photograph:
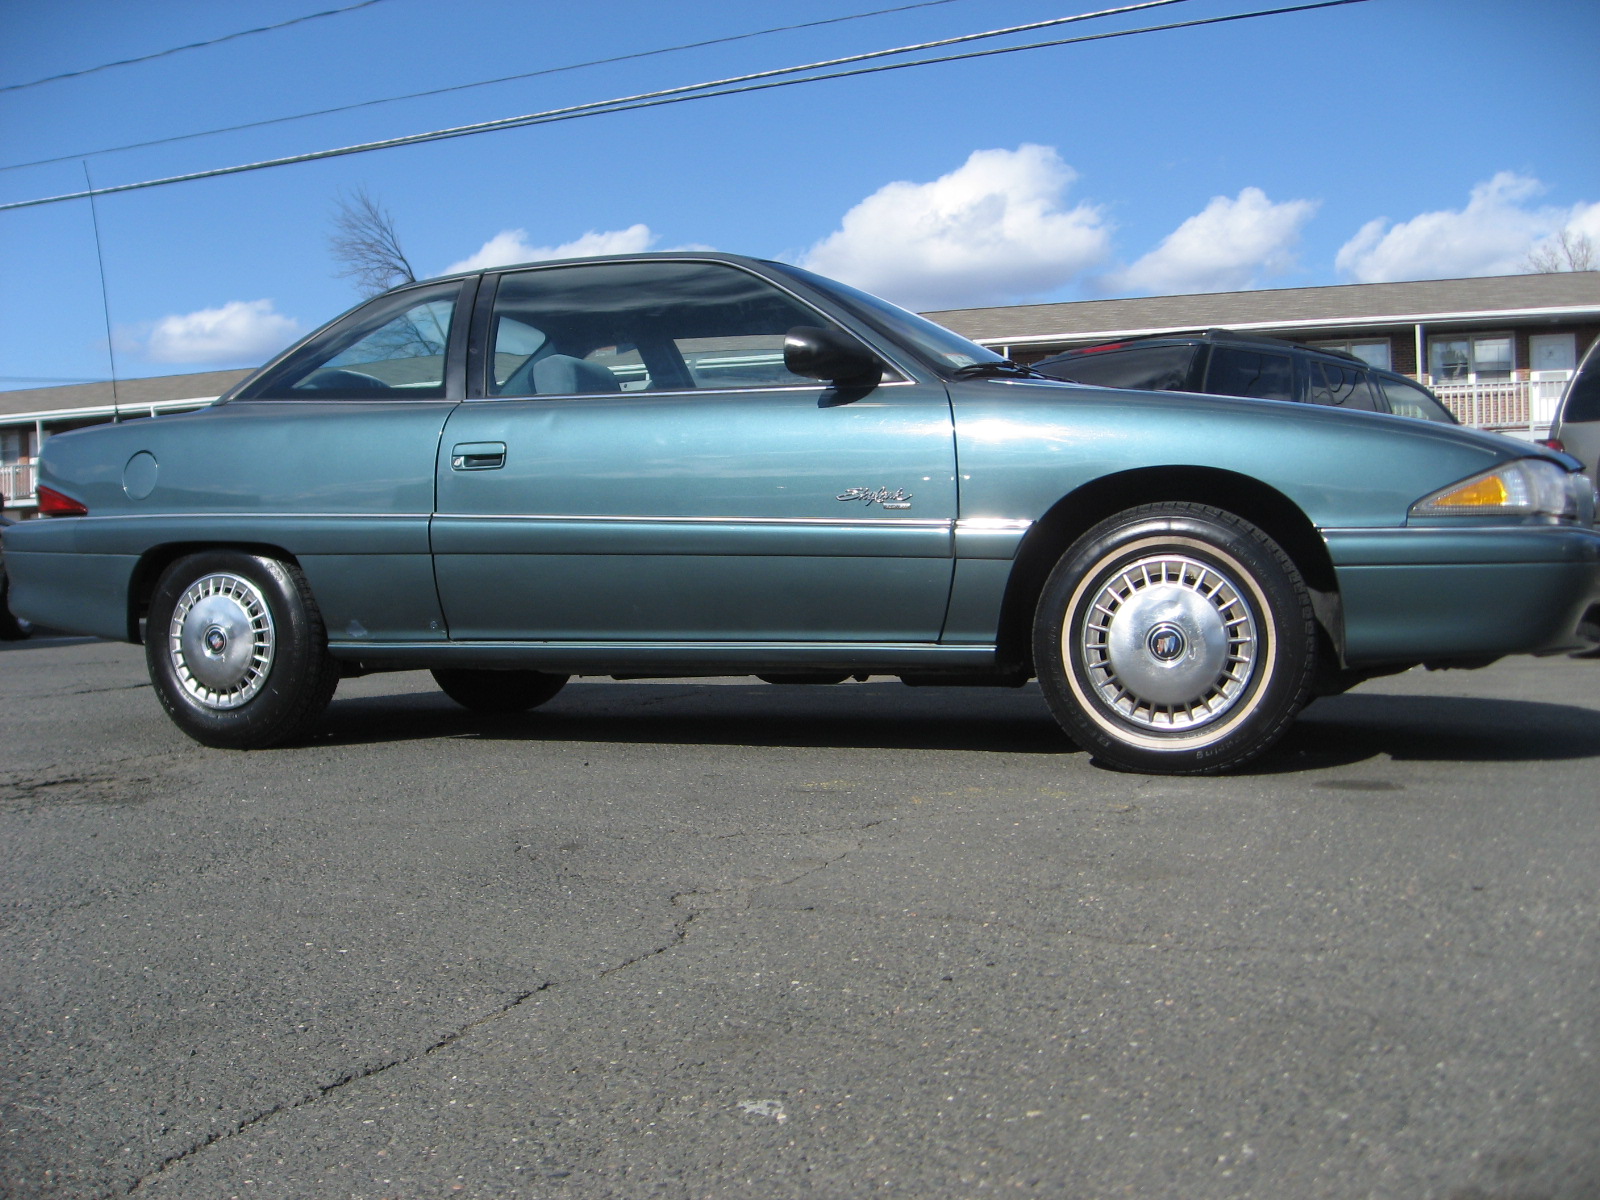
(1346, 306)
(130, 393)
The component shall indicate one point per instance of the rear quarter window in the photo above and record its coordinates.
(1408, 400)
(1148, 368)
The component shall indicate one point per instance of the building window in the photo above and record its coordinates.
(1375, 353)
(1484, 358)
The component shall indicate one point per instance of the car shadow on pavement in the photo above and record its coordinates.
(1341, 730)
(1336, 731)
(885, 716)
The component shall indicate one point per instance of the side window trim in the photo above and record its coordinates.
(455, 362)
(478, 339)
(1198, 368)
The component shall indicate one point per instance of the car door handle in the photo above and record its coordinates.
(478, 456)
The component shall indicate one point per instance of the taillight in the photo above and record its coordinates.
(1554, 444)
(53, 504)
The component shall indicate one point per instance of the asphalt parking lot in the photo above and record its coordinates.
(724, 939)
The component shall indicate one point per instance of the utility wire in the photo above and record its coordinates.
(616, 104)
(461, 87)
(227, 37)
(698, 92)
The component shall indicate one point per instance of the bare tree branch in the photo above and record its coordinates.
(1569, 251)
(364, 241)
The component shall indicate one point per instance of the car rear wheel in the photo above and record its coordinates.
(500, 692)
(237, 651)
(1175, 639)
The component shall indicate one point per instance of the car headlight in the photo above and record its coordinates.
(1527, 487)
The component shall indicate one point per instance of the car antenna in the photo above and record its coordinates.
(105, 298)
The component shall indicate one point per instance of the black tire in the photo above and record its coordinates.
(498, 692)
(1175, 639)
(237, 650)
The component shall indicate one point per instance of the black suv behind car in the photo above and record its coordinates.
(1222, 363)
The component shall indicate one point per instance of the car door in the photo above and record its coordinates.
(642, 467)
(331, 452)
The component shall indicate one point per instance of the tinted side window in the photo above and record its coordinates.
(646, 326)
(1150, 368)
(395, 349)
(1408, 400)
(1235, 372)
(1583, 393)
(1333, 383)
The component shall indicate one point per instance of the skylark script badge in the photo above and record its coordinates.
(899, 498)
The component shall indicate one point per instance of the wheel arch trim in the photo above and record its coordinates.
(155, 560)
(1076, 513)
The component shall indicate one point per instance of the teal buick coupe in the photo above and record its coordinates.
(701, 464)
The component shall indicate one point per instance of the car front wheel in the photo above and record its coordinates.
(1175, 639)
(237, 651)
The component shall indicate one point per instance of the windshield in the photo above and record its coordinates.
(935, 343)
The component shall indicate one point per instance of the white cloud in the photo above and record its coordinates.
(1585, 219)
(993, 231)
(1227, 246)
(239, 331)
(512, 246)
(1492, 235)
(1582, 222)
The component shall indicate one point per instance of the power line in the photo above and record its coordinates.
(615, 104)
(461, 87)
(227, 37)
(699, 92)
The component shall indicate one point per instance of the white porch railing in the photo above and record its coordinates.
(1528, 404)
(16, 483)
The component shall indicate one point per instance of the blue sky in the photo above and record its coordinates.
(1393, 139)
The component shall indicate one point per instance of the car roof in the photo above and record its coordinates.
(1206, 337)
(668, 255)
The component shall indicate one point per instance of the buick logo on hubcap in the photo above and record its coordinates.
(1166, 643)
(216, 640)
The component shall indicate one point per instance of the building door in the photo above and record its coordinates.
(1553, 351)
(1551, 360)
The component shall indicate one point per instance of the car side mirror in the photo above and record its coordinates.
(827, 354)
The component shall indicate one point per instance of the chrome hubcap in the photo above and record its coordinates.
(222, 641)
(1169, 643)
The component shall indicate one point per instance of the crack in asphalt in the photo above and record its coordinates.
(680, 934)
(327, 1089)
(753, 887)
